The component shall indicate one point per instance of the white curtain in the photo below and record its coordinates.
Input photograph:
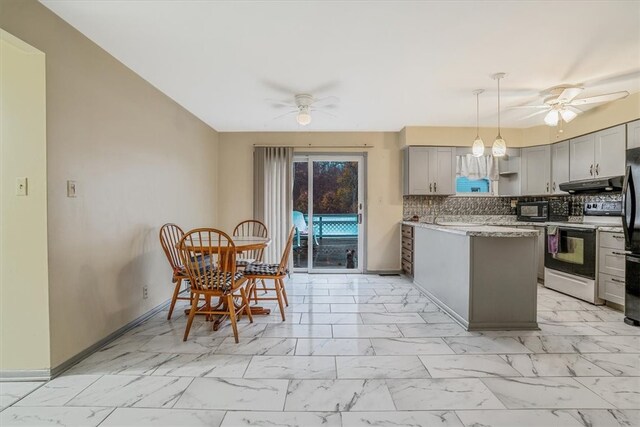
(272, 196)
(475, 168)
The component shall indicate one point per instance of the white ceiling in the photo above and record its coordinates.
(391, 64)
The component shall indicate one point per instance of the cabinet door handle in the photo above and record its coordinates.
(554, 186)
(430, 187)
(615, 236)
(591, 170)
(435, 187)
(597, 168)
(547, 187)
(622, 253)
(613, 279)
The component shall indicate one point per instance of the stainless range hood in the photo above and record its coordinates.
(593, 185)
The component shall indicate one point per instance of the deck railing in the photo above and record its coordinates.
(334, 225)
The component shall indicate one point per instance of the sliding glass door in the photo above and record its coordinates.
(328, 213)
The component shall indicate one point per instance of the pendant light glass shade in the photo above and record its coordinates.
(499, 148)
(477, 149)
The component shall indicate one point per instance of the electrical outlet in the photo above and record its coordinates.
(21, 186)
(145, 292)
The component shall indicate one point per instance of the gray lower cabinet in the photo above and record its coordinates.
(611, 267)
(541, 247)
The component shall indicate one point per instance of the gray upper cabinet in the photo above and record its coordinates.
(610, 152)
(598, 155)
(443, 170)
(416, 173)
(429, 171)
(581, 157)
(633, 135)
(559, 166)
(536, 170)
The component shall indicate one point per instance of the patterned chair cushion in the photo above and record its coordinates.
(262, 270)
(243, 262)
(226, 279)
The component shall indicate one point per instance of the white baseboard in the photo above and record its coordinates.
(48, 374)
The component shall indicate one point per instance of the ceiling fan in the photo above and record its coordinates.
(304, 104)
(561, 103)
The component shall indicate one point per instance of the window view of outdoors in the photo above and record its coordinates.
(335, 219)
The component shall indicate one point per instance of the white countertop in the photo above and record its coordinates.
(501, 221)
(477, 230)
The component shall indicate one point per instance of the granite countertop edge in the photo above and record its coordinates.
(477, 231)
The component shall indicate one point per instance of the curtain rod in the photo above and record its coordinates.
(314, 146)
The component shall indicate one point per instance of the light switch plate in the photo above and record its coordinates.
(21, 186)
(71, 189)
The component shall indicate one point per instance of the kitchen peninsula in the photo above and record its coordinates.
(483, 276)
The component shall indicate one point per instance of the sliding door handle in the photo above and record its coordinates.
(359, 218)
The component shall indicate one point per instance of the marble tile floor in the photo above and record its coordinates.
(355, 350)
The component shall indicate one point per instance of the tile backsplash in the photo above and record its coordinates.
(423, 206)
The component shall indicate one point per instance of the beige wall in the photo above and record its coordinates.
(139, 160)
(24, 290)
(607, 115)
(456, 136)
(384, 184)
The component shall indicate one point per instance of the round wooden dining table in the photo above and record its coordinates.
(242, 244)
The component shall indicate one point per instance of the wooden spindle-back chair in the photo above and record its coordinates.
(170, 235)
(254, 228)
(209, 258)
(277, 272)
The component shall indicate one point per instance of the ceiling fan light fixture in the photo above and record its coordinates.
(552, 118)
(499, 147)
(477, 149)
(567, 115)
(304, 117)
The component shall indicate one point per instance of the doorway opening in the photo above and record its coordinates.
(328, 213)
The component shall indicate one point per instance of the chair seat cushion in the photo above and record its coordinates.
(243, 262)
(226, 279)
(262, 270)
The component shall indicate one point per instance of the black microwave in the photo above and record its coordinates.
(533, 211)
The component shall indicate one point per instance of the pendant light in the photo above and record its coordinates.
(478, 145)
(499, 148)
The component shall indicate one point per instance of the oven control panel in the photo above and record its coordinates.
(603, 209)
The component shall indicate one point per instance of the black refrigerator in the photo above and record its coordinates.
(631, 225)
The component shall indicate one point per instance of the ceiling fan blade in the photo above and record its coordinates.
(600, 98)
(324, 112)
(574, 109)
(537, 113)
(615, 78)
(276, 103)
(569, 93)
(285, 114)
(335, 99)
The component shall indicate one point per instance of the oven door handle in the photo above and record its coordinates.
(628, 205)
